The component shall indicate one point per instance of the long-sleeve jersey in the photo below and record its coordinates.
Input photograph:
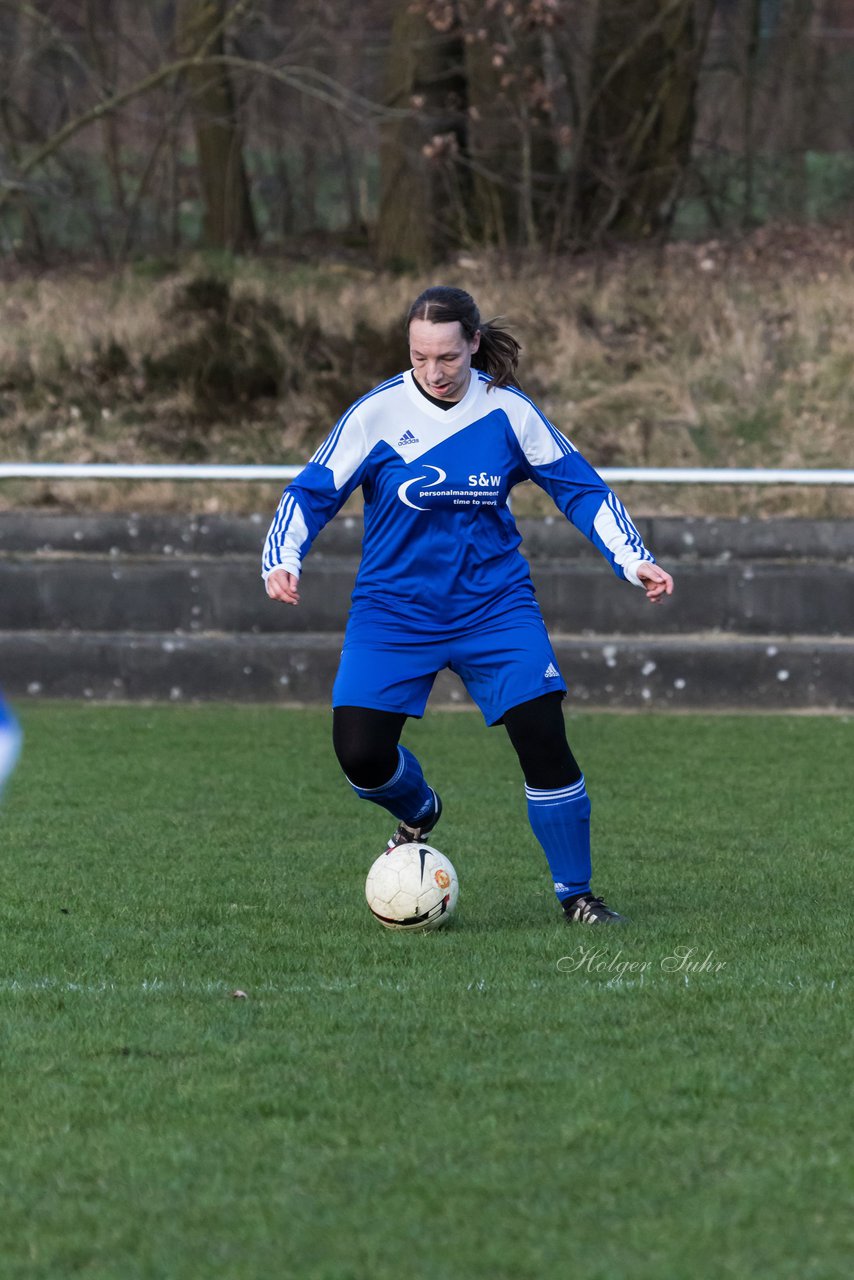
(440, 546)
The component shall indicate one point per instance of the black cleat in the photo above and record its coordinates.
(406, 834)
(587, 909)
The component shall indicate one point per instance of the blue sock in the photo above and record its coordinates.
(560, 820)
(406, 795)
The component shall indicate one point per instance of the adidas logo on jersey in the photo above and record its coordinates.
(407, 438)
(551, 670)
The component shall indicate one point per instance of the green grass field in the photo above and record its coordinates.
(503, 1098)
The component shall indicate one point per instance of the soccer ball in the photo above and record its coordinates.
(412, 887)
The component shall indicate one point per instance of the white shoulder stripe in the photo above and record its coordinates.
(327, 448)
(539, 440)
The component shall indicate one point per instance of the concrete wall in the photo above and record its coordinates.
(120, 607)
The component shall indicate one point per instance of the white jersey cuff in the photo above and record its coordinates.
(631, 570)
(290, 566)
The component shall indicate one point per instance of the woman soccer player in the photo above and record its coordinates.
(442, 582)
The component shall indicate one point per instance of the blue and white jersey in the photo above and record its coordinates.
(440, 544)
(10, 741)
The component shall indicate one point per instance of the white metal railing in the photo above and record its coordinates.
(141, 471)
(204, 471)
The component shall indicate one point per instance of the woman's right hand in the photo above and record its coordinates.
(283, 586)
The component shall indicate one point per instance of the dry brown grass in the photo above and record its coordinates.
(715, 354)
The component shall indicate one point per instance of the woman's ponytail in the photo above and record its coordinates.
(497, 355)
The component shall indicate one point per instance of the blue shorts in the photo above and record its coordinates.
(501, 664)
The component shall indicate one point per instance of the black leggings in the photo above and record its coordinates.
(365, 743)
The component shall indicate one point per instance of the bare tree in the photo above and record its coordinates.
(229, 221)
(16, 35)
(421, 202)
(513, 126)
(635, 135)
(801, 68)
(104, 43)
(424, 125)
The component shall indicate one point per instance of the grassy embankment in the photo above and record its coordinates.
(714, 354)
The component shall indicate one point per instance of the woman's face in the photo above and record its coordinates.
(441, 357)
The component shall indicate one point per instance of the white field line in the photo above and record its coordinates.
(478, 986)
(216, 471)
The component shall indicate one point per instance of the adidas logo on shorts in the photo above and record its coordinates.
(551, 671)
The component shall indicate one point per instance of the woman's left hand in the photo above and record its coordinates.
(656, 583)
